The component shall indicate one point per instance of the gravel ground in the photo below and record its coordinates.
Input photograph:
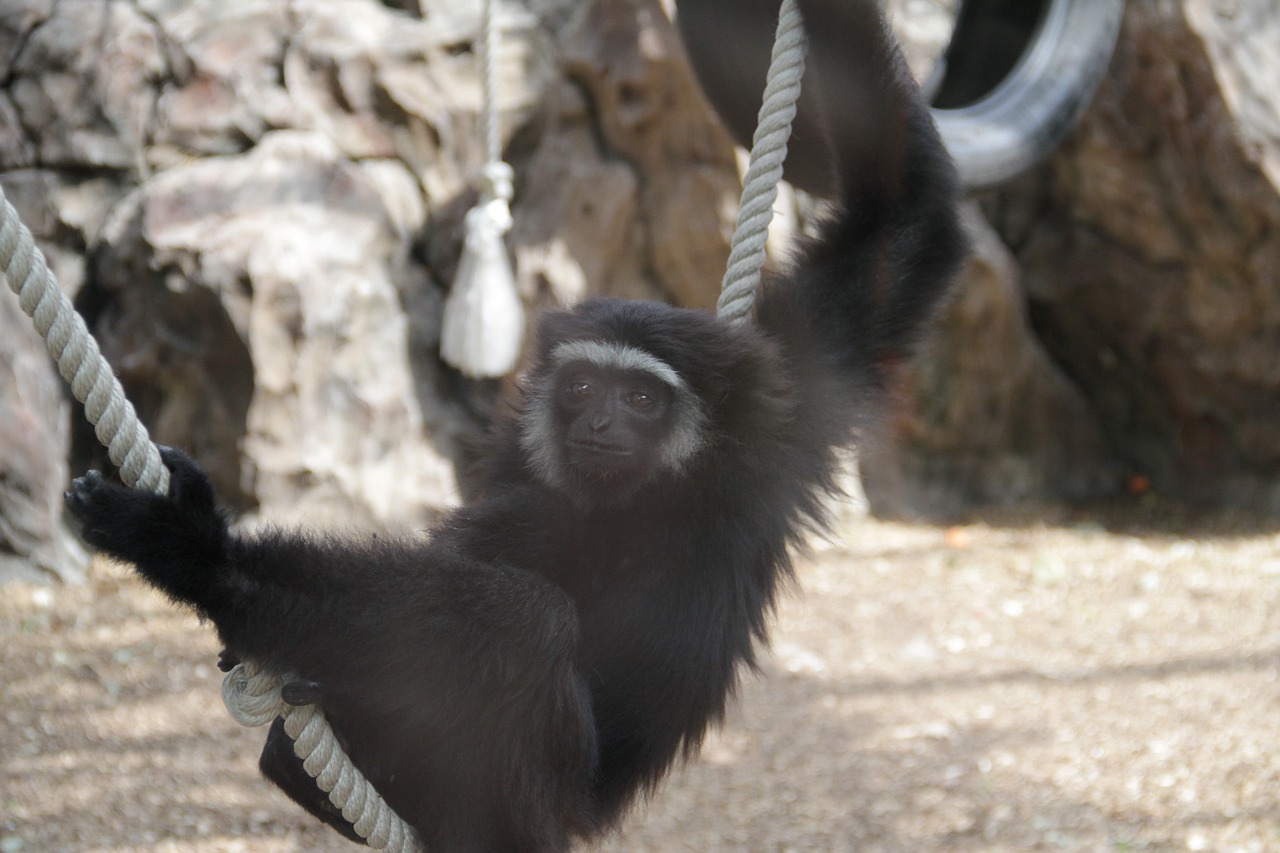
(1036, 681)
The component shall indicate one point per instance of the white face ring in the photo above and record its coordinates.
(544, 447)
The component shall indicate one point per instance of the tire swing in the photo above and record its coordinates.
(1016, 77)
(252, 695)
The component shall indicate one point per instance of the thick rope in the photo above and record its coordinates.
(79, 360)
(81, 363)
(252, 697)
(490, 131)
(768, 153)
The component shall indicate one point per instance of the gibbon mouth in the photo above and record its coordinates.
(599, 447)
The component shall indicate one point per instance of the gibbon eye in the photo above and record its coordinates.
(581, 390)
(640, 400)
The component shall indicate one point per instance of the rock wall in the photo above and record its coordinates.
(257, 208)
(1149, 253)
(1119, 330)
(33, 465)
(985, 416)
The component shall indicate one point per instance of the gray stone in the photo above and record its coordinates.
(256, 314)
(627, 59)
(984, 416)
(83, 85)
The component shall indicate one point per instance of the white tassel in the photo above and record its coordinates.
(483, 316)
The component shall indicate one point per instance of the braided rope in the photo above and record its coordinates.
(252, 697)
(79, 360)
(768, 153)
(490, 130)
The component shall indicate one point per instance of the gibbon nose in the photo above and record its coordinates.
(601, 420)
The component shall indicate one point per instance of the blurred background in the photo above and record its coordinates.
(257, 206)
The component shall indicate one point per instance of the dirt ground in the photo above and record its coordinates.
(1047, 680)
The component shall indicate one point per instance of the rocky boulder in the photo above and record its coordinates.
(34, 543)
(1148, 253)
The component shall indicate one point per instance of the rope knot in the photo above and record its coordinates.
(493, 211)
(252, 696)
(497, 181)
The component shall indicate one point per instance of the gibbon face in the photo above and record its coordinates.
(609, 413)
(612, 420)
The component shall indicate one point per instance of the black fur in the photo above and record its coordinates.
(515, 681)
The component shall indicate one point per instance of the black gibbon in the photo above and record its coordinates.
(514, 680)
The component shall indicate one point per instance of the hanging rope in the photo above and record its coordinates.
(768, 153)
(79, 360)
(483, 327)
(490, 131)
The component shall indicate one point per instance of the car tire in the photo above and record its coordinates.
(1016, 77)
